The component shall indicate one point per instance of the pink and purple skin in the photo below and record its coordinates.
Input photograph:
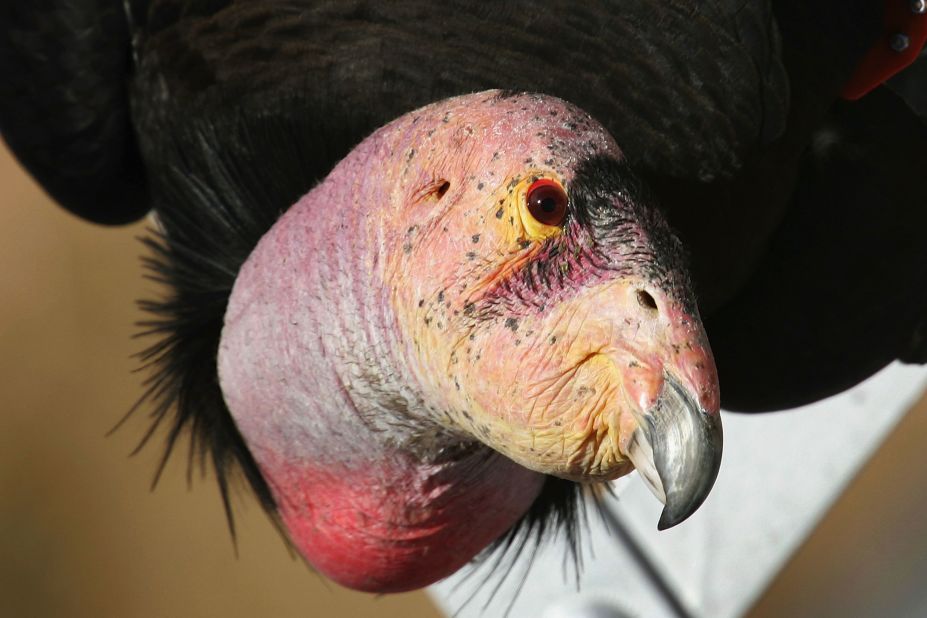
(400, 431)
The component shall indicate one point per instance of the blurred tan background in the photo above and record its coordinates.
(82, 535)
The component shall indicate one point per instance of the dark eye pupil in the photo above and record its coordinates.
(548, 204)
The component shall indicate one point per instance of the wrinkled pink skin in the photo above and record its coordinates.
(340, 359)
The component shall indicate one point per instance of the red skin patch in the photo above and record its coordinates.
(366, 531)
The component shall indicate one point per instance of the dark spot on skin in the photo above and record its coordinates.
(511, 323)
(553, 112)
(548, 162)
(499, 213)
(468, 310)
(440, 324)
(441, 296)
(431, 132)
(447, 118)
(495, 155)
(442, 189)
(529, 160)
(421, 303)
(407, 248)
(585, 391)
(471, 256)
(411, 154)
(456, 384)
(517, 341)
(412, 229)
(552, 340)
(479, 187)
(634, 364)
(427, 321)
(475, 238)
(525, 244)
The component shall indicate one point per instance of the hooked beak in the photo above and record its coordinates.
(677, 450)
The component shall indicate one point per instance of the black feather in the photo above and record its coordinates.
(842, 289)
(64, 110)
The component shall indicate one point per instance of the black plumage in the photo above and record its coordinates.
(219, 114)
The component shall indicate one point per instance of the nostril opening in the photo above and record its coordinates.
(646, 300)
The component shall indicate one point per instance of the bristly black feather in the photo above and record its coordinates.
(183, 387)
(211, 213)
(560, 511)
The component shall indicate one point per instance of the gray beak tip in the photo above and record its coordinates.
(677, 450)
(671, 517)
(667, 520)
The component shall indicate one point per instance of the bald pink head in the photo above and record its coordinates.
(411, 348)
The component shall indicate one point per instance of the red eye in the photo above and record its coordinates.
(547, 202)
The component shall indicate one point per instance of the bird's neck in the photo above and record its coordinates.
(374, 491)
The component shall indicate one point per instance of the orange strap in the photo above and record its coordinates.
(904, 32)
